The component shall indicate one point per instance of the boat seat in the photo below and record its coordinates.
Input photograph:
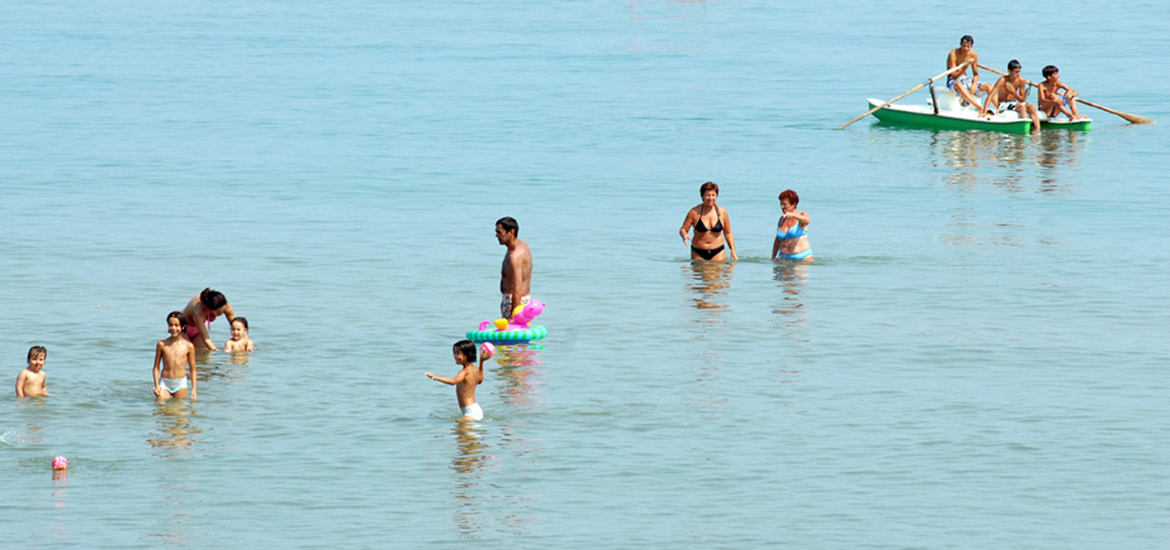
(948, 100)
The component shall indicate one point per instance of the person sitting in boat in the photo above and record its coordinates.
(1010, 93)
(1051, 101)
(966, 85)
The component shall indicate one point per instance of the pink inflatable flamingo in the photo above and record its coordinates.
(520, 320)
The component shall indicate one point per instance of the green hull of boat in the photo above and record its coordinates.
(1076, 126)
(920, 120)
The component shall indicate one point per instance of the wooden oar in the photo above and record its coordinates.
(907, 92)
(1131, 118)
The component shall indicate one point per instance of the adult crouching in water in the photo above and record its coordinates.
(712, 227)
(516, 272)
(201, 311)
(791, 238)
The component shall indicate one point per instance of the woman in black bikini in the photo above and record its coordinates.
(712, 226)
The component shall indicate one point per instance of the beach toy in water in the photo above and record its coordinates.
(518, 331)
(60, 463)
(487, 350)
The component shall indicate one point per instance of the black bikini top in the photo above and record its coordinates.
(700, 228)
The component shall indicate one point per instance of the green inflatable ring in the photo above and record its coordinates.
(507, 336)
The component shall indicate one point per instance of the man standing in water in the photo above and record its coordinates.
(516, 273)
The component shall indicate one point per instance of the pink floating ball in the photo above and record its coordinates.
(60, 463)
(487, 350)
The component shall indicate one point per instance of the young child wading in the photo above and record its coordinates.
(31, 381)
(239, 341)
(468, 378)
(177, 355)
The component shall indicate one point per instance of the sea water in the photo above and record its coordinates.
(977, 357)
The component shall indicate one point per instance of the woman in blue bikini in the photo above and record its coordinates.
(791, 238)
(712, 227)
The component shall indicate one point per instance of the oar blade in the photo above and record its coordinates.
(1132, 118)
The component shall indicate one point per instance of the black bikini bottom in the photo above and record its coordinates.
(707, 254)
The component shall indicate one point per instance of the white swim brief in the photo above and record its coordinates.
(473, 411)
(173, 385)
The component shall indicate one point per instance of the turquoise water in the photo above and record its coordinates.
(976, 359)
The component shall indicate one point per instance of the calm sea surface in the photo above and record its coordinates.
(978, 358)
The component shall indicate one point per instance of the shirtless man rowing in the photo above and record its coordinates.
(966, 86)
(516, 272)
(1010, 93)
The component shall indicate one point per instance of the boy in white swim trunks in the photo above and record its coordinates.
(468, 378)
(177, 355)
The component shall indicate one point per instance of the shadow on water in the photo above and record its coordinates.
(791, 317)
(472, 516)
(792, 277)
(1012, 155)
(35, 401)
(481, 509)
(519, 369)
(1058, 149)
(470, 453)
(177, 437)
(709, 282)
(175, 426)
(59, 494)
(229, 366)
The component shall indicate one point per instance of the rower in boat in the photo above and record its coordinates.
(967, 86)
(1010, 93)
(1051, 101)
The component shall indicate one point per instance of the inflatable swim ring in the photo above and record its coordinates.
(518, 331)
(535, 332)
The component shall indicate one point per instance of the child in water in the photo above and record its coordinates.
(177, 354)
(240, 340)
(468, 378)
(31, 381)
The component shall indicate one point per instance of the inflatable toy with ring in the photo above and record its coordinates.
(518, 331)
